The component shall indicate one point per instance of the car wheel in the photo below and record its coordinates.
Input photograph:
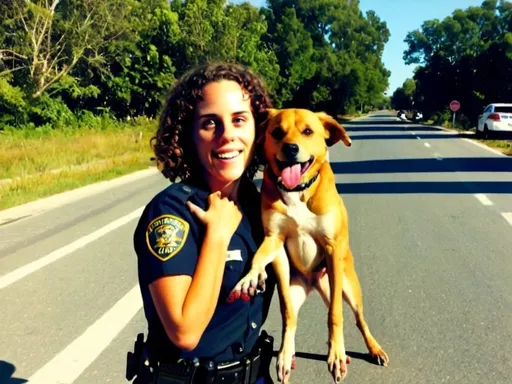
(487, 134)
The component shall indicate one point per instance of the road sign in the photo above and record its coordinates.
(454, 106)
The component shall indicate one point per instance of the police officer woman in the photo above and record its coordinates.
(196, 238)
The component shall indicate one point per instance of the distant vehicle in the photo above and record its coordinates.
(417, 116)
(496, 117)
(401, 114)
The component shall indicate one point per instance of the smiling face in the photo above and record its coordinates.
(224, 133)
(296, 142)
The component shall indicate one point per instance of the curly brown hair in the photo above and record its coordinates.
(173, 144)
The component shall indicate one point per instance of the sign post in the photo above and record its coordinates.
(454, 106)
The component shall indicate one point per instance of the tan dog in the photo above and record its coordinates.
(303, 212)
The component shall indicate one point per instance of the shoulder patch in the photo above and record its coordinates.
(166, 235)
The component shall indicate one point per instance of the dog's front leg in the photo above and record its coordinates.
(336, 358)
(256, 277)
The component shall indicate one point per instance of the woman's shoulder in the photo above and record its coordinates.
(169, 202)
(175, 192)
(173, 197)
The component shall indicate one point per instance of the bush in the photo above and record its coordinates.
(12, 104)
(51, 111)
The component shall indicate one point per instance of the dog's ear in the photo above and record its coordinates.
(261, 130)
(334, 131)
(265, 118)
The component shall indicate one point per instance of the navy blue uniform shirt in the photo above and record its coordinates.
(168, 241)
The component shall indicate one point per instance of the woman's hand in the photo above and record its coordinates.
(222, 213)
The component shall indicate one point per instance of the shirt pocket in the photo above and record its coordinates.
(234, 270)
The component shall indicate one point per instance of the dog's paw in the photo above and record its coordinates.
(250, 285)
(285, 363)
(380, 356)
(337, 361)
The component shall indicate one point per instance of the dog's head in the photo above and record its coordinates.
(295, 143)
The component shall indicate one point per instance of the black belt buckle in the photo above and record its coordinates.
(181, 372)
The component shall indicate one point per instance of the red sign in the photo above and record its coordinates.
(454, 106)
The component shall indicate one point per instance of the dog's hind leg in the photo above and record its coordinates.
(291, 299)
(336, 356)
(354, 297)
(299, 291)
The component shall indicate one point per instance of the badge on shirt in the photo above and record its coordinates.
(166, 235)
(234, 255)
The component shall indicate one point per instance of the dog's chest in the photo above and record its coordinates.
(303, 229)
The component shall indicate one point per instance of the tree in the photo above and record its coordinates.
(57, 34)
(467, 56)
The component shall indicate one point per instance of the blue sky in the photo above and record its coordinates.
(401, 17)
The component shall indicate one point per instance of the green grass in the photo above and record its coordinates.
(36, 164)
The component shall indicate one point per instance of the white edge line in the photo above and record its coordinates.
(469, 140)
(507, 216)
(34, 266)
(483, 199)
(51, 202)
(69, 363)
(484, 146)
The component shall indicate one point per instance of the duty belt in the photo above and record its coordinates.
(194, 371)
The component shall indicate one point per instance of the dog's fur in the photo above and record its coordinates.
(312, 225)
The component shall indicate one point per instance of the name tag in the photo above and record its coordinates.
(234, 255)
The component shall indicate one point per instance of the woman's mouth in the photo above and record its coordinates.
(226, 155)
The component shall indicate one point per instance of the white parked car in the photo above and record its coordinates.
(496, 117)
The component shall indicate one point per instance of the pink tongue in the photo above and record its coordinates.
(291, 176)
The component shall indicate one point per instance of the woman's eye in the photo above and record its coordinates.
(238, 120)
(208, 123)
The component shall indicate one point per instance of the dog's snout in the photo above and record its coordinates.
(290, 150)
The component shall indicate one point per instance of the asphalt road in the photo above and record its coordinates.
(431, 232)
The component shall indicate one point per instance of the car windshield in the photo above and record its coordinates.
(507, 109)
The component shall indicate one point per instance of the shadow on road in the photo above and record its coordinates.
(320, 357)
(6, 374)
(376, 122)
(424, 165)
(408, 136)
(376, 128)
(412, 187)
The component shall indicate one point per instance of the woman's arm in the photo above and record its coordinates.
(186, 304)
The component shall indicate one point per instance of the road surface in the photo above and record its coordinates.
(431, 232)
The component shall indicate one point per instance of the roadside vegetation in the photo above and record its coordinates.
(42, 162)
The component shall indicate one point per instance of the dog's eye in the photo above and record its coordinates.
(307, 132)
(277, 133)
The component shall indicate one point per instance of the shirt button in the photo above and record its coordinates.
(238, 348)
(254, 325)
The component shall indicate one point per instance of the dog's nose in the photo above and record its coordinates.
(290, 150)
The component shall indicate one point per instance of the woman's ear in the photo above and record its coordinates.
(334, 131)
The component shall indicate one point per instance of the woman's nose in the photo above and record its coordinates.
(228, 131)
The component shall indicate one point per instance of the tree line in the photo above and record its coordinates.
(66, 60)
(465, 57)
